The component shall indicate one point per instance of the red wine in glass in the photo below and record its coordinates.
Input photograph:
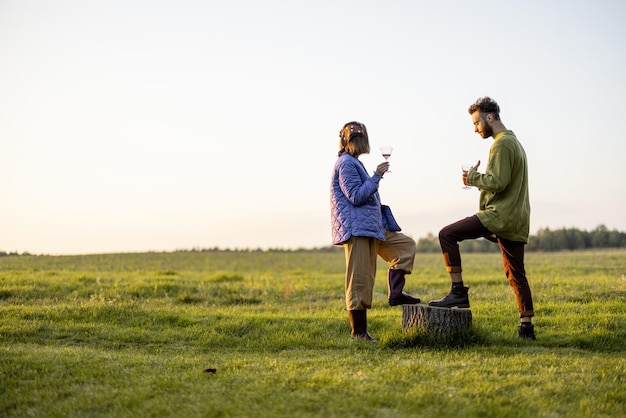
(386, 152)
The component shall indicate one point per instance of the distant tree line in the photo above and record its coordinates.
(545, 240)
(12, 254)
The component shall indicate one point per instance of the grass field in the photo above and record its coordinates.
(256, 334)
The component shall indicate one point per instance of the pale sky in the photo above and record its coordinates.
(142, 125)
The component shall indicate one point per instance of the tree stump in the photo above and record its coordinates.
(436, 321)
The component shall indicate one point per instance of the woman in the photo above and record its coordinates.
(366, 229)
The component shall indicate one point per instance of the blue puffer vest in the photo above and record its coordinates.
(354, 202)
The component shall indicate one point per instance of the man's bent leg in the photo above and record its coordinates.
(449, 238)
(451, 235)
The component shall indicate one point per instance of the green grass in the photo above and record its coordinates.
(129, 335)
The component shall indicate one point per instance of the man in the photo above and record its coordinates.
(503, 216)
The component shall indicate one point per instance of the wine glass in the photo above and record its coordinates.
(386, 151)
(466, 167)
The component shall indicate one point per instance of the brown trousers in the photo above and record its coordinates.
(361, 254)
(512, 257)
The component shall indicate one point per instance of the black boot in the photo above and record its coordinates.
(456, 298)
(358, 321)
(395, 281)
(526, 331)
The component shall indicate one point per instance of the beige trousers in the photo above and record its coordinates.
(398, 250)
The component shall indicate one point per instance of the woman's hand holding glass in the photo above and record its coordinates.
(382, 168)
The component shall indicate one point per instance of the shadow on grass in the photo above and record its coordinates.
(599, 342)
(421, 339)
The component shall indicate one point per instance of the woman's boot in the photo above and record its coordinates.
(395, 281)
(358, 321)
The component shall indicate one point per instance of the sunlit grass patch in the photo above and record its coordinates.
(132, 335)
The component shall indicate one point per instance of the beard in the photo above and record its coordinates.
(487, 131)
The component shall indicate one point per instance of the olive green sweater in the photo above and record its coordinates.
(504, 207)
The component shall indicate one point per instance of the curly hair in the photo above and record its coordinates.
(485, 105)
